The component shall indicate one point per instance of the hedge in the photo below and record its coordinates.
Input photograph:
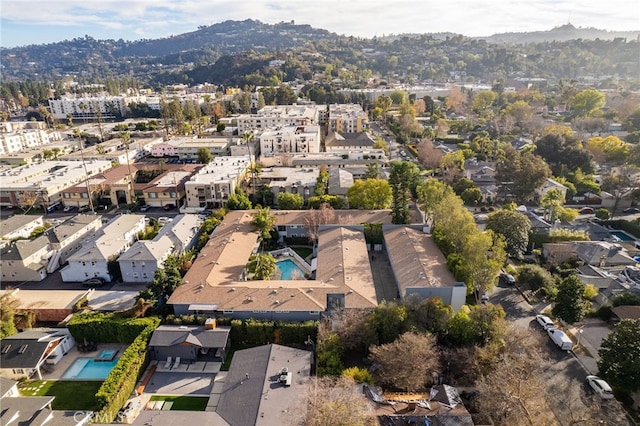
(106, 328)
(629, 227)
(121, 382)
(253, 332)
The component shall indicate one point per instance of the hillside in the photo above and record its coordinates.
(562, 33)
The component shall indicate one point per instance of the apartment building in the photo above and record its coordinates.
(211, 185)
(273, 116)
(25, 260)
(88, 107)
(344, 118)
(41, 184)
(290, 139)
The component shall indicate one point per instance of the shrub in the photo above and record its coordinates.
(604, 312)
(626, 299)
(107, 328)
(359, 375)
(602, 214)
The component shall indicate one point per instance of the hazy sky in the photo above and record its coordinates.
(25, 22)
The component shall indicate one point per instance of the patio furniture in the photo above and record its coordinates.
(177, 363)
(167, 365)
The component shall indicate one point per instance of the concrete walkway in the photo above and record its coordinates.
(383, 279)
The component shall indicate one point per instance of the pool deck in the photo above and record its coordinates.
(59, 369)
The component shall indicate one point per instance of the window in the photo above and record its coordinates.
(18, 371)
(282, 228)
(153, 195)
(84, 195)
(173, 195)
(66, 195)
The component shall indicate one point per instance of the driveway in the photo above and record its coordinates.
(178, 383)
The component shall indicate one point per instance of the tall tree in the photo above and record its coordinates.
(370, 194)
(570, 304)
(587, 102)
(395, 361)
(514, 228)
(288, 201)
(331, 401)
(403, 179)
(264, 221)
(620, 356)
(204, 155)
(523, 173)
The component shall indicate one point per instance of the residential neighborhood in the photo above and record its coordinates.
(319, 251)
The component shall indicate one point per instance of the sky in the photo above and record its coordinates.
(24, 22)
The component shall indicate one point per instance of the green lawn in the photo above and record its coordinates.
(184, 403)
(70, 395)
(303, 252)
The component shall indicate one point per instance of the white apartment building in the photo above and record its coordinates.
(25, 260)
(41, 184)
(87, 107)
(290, 139)
(276, 116)
(92, 260)
(187, 148)
(211, 186)
(24, 139)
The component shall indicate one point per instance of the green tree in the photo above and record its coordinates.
(373, 171)
(522, 173)
(471, 196)
(430, 314)
(403, 179)
(238, 201)
(334, 201)
(514, 227)
(570, 304)
(8, 306)
(287, 201)
(534, 278)
(620, 356)
(587, 102)
(387, 321)
(482, 258)
(204, 156)
(431, 193)
(261, 266)
(370, 194)
(264, 221)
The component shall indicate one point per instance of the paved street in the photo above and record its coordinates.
(569, 397)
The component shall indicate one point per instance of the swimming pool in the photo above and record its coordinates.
(622, 236)
(107, 355)
(89, 369)
(287, 268)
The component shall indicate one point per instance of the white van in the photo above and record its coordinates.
(560, 339)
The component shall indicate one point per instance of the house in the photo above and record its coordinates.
(420, 268)
(620, 313)
(92, 260)
(139, 263)
(19, 226)
(25, 260)
(66, 239)
(595, 231)
(190, 343)
(441, 406)
(290, 180)
(480, 172)
(8, 388)
(24, 354)
(547, 186)
(616, 202)
(36, 410)
(594, 253)
(254, 392)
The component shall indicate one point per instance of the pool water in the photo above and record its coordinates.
(106, 355)
(89, 369)
(287, 267)
(622, 236)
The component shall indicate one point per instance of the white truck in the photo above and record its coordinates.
(560, 339)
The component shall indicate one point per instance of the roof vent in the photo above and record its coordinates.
(276, 302)
(233, 289)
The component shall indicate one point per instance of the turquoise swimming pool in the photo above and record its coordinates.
(89, 369)
(287, 268)
(622, 236)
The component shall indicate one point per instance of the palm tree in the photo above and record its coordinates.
(78, 135)
(264, 221)
(262, 266)
(126, 137)
(254, 169)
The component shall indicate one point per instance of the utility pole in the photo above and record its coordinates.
(77, 133)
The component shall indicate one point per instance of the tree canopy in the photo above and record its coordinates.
(620, 356)
(370, 194)
(514, 227)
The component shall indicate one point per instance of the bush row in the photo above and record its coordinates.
(259, 332)
(106, 328)
(121, 382)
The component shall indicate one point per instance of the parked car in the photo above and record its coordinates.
(600, 387)
(507, 279)
(93, 282)
(68, 208)
(544, 321)
(586, 210)
(144, 208)
(168, 207)
(631, 210)
(560, 339)
(163, 220)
